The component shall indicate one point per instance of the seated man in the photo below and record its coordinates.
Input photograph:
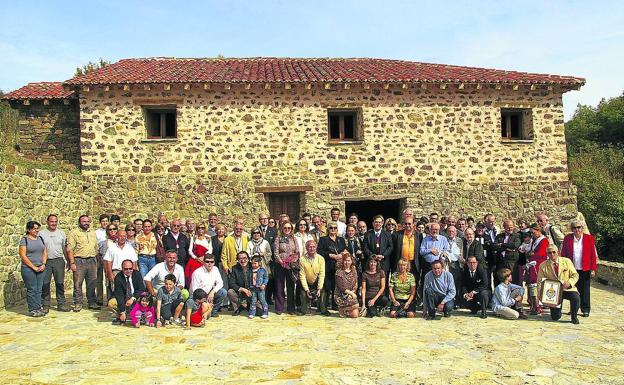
(438, 291)
(312, 278)
(209, 279)
(128, 285)
(239, 291)
(507, 298)
(155, 278)
(562, 270)
(475, 286)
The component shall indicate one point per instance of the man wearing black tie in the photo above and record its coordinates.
(267, 232)
(128, 286)
(378, 243)
(475, 287)
(490, 232)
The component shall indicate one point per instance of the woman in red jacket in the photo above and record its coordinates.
(535, 257)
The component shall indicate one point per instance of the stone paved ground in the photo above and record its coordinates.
(84, 348)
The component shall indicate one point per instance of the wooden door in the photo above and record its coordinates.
(284, 203)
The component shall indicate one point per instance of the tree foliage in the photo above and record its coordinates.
(91, 66)
(595, 138)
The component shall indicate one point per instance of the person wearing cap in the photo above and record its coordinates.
(581, 250)
(562, 270)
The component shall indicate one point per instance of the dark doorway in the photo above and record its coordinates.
(284, 203)
(366, 210)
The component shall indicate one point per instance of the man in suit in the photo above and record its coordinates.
(473, 248)
(378, 243)
(268, 233)
(175, 240)
(127, 287)
(407, 246)
(505, 247)
(475, 286)
(560, 269)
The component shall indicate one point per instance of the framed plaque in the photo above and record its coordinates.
(551, 293)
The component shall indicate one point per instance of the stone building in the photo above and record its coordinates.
(239, 136)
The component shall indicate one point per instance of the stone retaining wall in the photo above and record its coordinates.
(29, 194)
(612, 273)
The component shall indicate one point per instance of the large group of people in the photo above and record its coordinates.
(185, 272)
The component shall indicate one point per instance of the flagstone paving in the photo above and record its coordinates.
(84, 348)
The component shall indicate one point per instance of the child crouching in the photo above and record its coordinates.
(197, 309)
(143, 311)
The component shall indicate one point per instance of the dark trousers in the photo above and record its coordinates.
(305, 301)
(54, 267)
(456, 272)
(380, 303)
(34, 282)
(99, 279)
(433, 299)
(583, 286)
(167, 310)
(480, 301)
(574, 298)
(86, 270)
(330, 285)
(282, 278)
(426, 267)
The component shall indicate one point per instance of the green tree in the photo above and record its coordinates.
(595, 137)
(91, 66)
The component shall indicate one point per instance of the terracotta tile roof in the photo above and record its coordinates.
(289, 70)
(41, 90)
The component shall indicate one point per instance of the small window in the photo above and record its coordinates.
(161, 122)
(516, 124)
(343, 125)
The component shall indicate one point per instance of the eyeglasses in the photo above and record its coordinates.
(133, 230)
(211, 261)
(287, 228)
(551, 252)
(576, 227)
(128, 268)
(201, 227)
(112, 229)
(176, 225)
(333, 228)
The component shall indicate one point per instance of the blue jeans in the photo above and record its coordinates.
(218, 300)
(34, 285)
(146, 263)
(258, 295)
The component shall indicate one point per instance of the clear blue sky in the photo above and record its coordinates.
(47, 40)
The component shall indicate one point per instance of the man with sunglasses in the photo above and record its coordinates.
(103, 246)
(117, 253)
(175, 240)
(562, 270)
(128, 286)
(209, 279)
(580, 248)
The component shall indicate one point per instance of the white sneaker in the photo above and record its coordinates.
(264, 316)
(251, 317)
(177, 321)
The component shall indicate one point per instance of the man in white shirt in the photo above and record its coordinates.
(155, 279)
(100, 233)
(335, 216)
(116, 253)
(209, 279)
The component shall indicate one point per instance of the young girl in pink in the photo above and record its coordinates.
(143, 311)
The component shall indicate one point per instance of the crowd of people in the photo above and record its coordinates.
(184, 273)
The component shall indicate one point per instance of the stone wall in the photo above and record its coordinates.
(437, 149)
(49, 132)
(29, 194)
(611, 273)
